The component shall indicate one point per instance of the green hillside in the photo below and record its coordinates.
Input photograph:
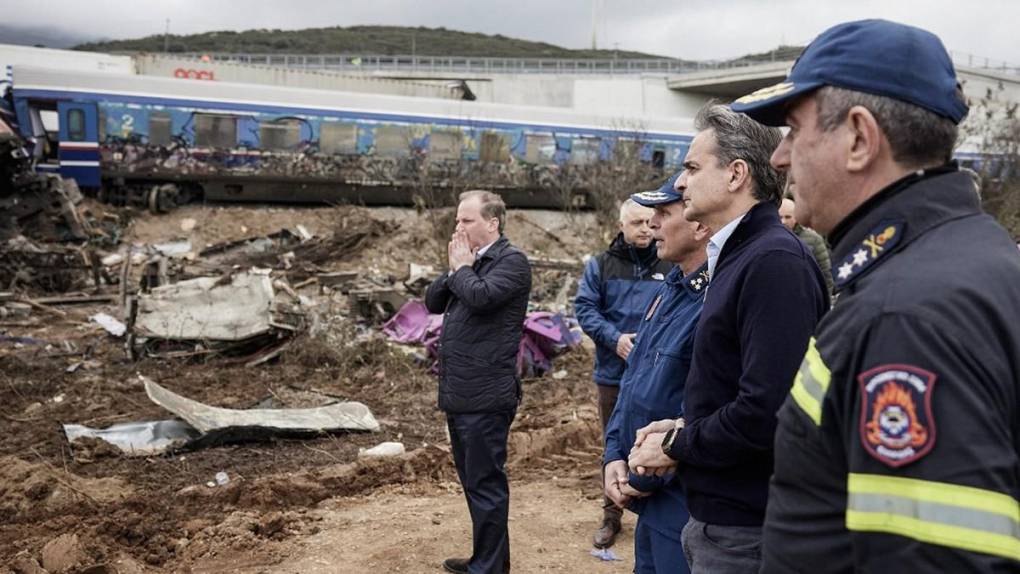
(384, 40)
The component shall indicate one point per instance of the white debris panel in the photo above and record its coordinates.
(230, 308)
(348, 415)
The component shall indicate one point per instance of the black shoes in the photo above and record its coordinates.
(456, 565)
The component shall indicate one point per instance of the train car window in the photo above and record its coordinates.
(444, 145)
(494, 147)
(159, 129)
(215, 131)
(337, 138)
(658, 159)
(584, 151)
(280, 135)
(76, 125)
(539, 148)
(393, 140)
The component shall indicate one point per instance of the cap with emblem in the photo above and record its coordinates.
(665, 194)
(877, 57)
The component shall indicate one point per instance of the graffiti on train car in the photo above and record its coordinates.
(124, 156)
(153, 141)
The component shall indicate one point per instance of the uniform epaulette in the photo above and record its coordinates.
(873, 247)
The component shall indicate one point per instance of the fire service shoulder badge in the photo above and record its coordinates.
(897, 426)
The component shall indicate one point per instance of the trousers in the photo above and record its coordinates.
(478, 442)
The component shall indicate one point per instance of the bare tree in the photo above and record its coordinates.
(993, 131)
(612, 179)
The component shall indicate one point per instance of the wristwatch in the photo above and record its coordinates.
(670, 437)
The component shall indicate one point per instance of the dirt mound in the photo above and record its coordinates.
(571, 440)
(243, 531)
(306, 488)
(33, 487)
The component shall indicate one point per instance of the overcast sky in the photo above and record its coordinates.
(691, 29)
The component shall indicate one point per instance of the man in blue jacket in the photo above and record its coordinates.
(613, 293)
(766, 296)
(652, 387)
(483, 298)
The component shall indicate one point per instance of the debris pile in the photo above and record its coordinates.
(234, 315)
(39, 206)
(261, 325)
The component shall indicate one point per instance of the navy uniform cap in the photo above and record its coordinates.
(877, 57)
(665, 194)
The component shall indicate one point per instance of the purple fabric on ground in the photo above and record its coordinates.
(413, 324)
(546, 335)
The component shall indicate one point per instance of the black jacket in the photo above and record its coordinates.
(898, 449)
(483, 310)
(766, 296)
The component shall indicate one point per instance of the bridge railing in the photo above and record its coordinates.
(991, 64)
(465, 64)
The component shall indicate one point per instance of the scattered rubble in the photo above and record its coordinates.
(308, 307)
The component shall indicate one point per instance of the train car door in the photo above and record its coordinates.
(79, 142)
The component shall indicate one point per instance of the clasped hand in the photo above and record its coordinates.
(646, 457)
(459, 251)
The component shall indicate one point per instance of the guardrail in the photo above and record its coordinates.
(991, 64)
(465, 64)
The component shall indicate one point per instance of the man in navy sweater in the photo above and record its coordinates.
(765, 298)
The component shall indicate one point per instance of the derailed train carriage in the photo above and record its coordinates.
(160, 141)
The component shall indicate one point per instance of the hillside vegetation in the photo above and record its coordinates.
(383, 40)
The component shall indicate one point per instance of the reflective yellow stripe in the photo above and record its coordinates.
(941, 492)
(935, 512)
(811, 406)
(811, 383)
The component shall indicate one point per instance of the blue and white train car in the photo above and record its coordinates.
(152, 140)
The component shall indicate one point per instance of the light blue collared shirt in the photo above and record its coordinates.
(718, 241)
(481, 250)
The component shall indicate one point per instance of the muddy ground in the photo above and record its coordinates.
(291, 505)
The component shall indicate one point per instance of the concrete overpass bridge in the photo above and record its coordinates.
(656, 87)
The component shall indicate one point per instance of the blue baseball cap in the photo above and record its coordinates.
(665, 194)
(877, 57)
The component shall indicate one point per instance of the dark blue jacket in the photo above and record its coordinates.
(652, 389)
(615, 290)
(766, 296)
(483, 310)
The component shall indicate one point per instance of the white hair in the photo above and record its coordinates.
(627, 206)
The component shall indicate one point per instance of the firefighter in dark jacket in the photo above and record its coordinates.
(898, 448)
(614, 292)
(483, 298)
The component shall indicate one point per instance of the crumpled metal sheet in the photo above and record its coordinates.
(207, 308)
(349, 416)
(138, 439)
